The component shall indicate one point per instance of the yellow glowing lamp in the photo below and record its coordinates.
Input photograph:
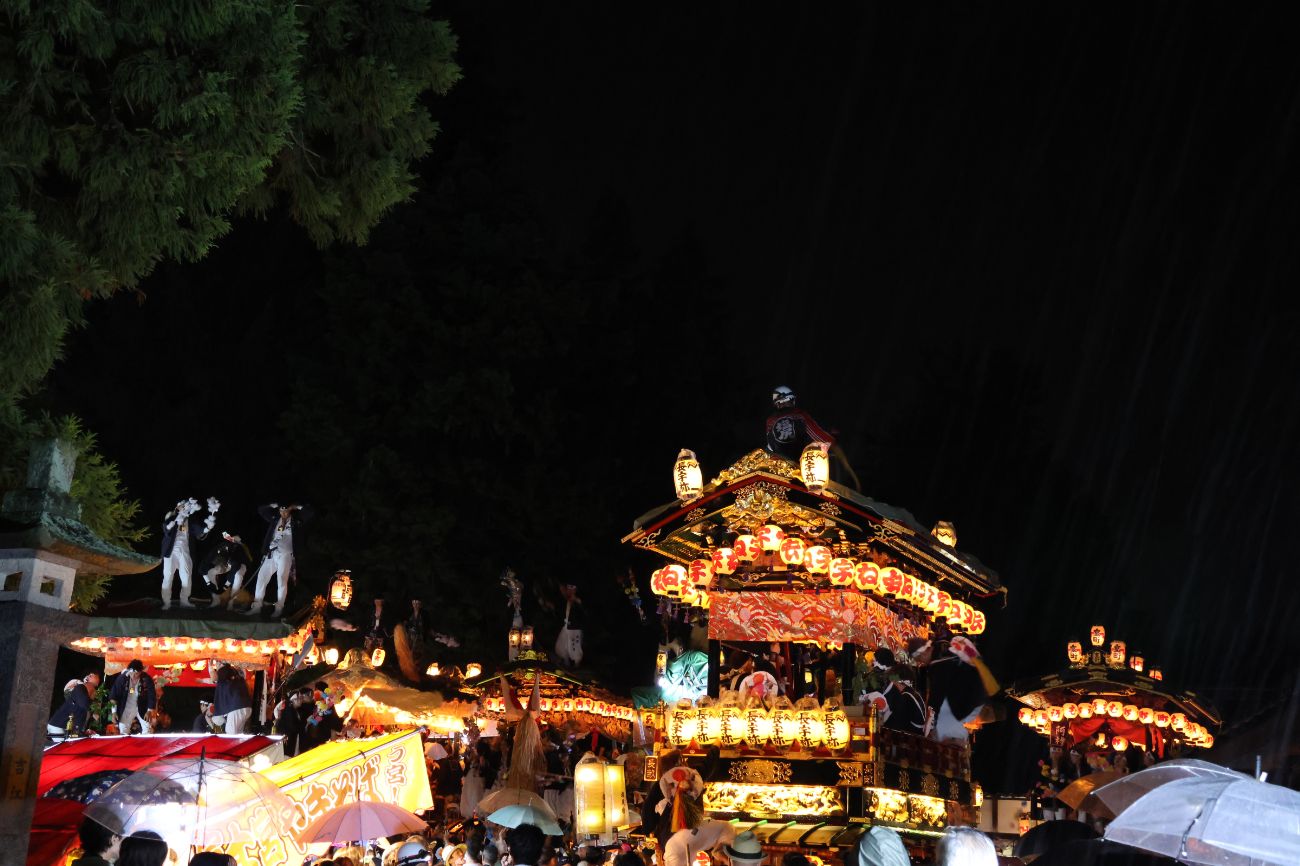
(747, 548)
(734, 726)
(130, 643)
(683, 722)
(182, 644)
(1070, 710)
(709, 727)
(891, 581)
(812, 724)
(700, 572)
(841, 571)
(1130, 713)
(433, 670)
(792, 550)
(589, 796)
(770, 537)
(1085, 711)
(1097, 635)
(1118, 743)
(674, 579)
(1074, 652)
(1162, 719)
(341, 589)
(785, 726)
(332, 656)
(1178, 721)
(232, 645)
(836, 725)
(1146, 716)
(1156, 674)
(1054, 714)
(945, 533)
(164, 644)
(688, 480)
(1040, 717)
(815, 467)
(1099, 706)
(1137, 662)
(615, 797)
(251, 647)
(1118, 653)
(1026, 716)
(725, 560)
(818, 559)
(377, 657)
(759, 723)
(1114, 709)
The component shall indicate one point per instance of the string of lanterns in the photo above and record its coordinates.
(805, 725)
(1043, 718)
(184, 645)
(690, 584)
(570, 705)
(1117, 657)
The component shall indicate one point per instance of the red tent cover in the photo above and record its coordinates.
(54, 826)
(79, 757)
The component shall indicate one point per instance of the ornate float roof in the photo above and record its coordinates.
(765, 488)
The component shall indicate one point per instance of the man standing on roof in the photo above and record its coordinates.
(791, 429)
(280, 549)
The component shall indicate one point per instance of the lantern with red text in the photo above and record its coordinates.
(770, 537)
(841, 571)
(341, 589)
(792, 550)
(891, 581)
(701, 572)
(747, 548)
(1118, 653)
(724, 560)
(1097, 635)
(1074, 652)
(818, 559)
(866, 577)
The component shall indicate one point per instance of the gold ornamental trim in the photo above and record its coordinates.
(760, 772)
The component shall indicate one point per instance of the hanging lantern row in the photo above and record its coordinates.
(690, 583)
(804, 725)
(1042, 719)
(1116, 657)
(570, 705)
(187, 645)
(814, 471)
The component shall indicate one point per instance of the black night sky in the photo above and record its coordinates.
(1036, 268)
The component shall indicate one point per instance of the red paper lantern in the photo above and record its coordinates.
(841, 571)
(891, 581)
(866, 577)
(746, 547)
(817, 559)
(724, 560)
(770, 537)
(701, 572)
(792, 550)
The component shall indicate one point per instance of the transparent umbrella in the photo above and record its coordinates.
(361, 821)
(1125, 791)
(1216, 821)
(196, 802)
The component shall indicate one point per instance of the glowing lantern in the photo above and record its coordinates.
(214, 644)
(836, 725)
(615, 797)
(688, 481)
(432, 670)
(866, 577)
(759, 724)
(724, 560)
(1026, 716)
(182, 644)
(747, 548)
(841, 571)
(1146, 715)
(1130, 713)
(1118, 652)
(701, 572)
(709, 728)
(770, 537)
(1074, 652)
(1137, 663)
(146, 643)
(945, 606)
(689, 594)
(1101, 740)
(814, 466)
(568, 704)
(818, 559)
(250, 647)
(1178, 721)
(130, 643)
(332, 656)
(1040, 717)
(1097, 635)
(1162, 719)
(1156, 674)
(1114, 709)
(473, 669)
(812, 724)
(1119, 744)
(945, 533)
(589, 796)
(1054, 714)
(792, 550)
(785, 727)
(1099, 707)
(1070, 711)
(544, 704)
(674, 579)
(341, 589)
(1085, 711)
(377, 657)
(906, 591)
(978, 622)
(891, 581)
(956, 612)
(232, 645)
(1209, 740)
(198, 665)
(734, 725)
(164, 644)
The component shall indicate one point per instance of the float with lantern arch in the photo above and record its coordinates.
(773, 550)
(1109, 700)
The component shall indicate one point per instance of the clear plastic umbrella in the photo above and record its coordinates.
(1125, 791)
(361, 822)
(1216, 821)
(196, 802)
(513, 816)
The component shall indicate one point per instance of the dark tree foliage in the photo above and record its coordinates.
(132, 130)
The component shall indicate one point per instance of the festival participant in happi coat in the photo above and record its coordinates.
(280, 549)
(180, 546)
(74, 712)
(133, 697)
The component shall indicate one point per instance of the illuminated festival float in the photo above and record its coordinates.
(1108, 700)
(784, 587)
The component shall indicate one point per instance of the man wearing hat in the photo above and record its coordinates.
(203, 723)
(745, 850)
(133, 697)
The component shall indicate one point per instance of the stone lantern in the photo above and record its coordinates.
(43, 544)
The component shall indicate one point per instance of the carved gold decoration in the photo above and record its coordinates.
(930, 785)
(954, 790)
(850, 773)
(772, 801)
(912, 810)
(760, 772)
(758, 460)
(904, 779)
(830, 508)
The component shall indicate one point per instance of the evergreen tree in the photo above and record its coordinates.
(131, 130)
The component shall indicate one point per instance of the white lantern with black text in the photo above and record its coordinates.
(815, 467)
(688, 481)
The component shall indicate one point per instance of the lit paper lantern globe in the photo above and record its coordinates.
(735, 727)
(785, 727)
(1074, 651)
(683, 723)
(812, 724)
(866, 577)
(759, 724)
(1130, 713)
(1026, 716)
(814, 466)
(377, 657)
(1178, 721)
(770, 537)
(1099, 707)
(688, 481)
(1162, 719)
(841, 571)
(1097, 635)
(341, 590)
(747, 548)
(836, 725)
(1146, 716)
(701, 572)
(1040, 717)
(818, 559)
(1054, 714)
(1114, 709)
(1119, 744)
(724, 560)
(1118, 653)
(891, 581)
(1070, 710)
(332, 656)
(433, 670)
(792, 551)
(1137, 663)
(1085, 711)
(709, 730)
(674, 579)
